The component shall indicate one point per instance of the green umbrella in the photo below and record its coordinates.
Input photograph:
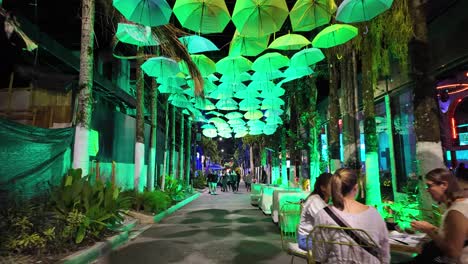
(273, 112)
(261, 85)
(233, 64)
(270, 61)
(203, 104)
(208, 126)
(253, 114)
(255, 123)
(135, 35)
(214, 113)
(150, 13)
(247, 93)
(235, 78)
(234, 115)
(306, 57)
(267, 75)
(255, 132)
(352, 11)
(208, 86)
(272, 93)
(247, 46)
(216, 120)
(222, 93)
(161, 67)
(276, 120)
(271, 103)
(204, 64)
(227, 104)
(179, 100)
(334, 35)
(237, 121)
(259, 17)
(249, 104)
(240, 134)
(289, 42)
(173, 80)
(202, 16)
(197, 44)
(211, 133)
(309, 14)
(293, 73)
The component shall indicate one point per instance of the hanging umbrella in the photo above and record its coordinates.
(272, 93)
(204, 64)
(247, 46)
(208, 126)
(255, 123)
(261, 85)
(240, 134)
(227, 104)
(135, 35)
(233, 64)
(259, 17)
(221, 93)
(270, 61)
(211, 133)
(234, 115)
(160, 67)
(253, 114)
(293, 73)
(249, 104)
(235, 78)
(237, 121)
(202, 16)
(267, 75)
(334, 35)
(203, 104)
(309, 14)
(214, 113)
(289, 42)
(352, 11)
(273, 112)
(247, 93)
(216, 120)
(306, 57)
(197, 44)
(271, 103)
(255, 132)
(173, 80)
(167, 89)
(150, 13)
(208, 86)
(179, 100)
(275, 120)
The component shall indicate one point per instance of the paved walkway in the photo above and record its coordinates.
(221, 228)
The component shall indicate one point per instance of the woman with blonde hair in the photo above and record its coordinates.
(347, 212)
(449, 240)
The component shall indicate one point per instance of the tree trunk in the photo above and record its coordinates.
(252, 168)
(181, 149)
(333, 127)
(426, 119)
(314, 132)
(189, 148)
(373, 196)
(80, 148)
(140, 122)
(153, 138)
(284, 169)
(173, 151)
(166, 148)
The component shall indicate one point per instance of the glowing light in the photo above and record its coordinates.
(454, 129)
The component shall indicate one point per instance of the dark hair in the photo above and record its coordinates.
(440, 175)
(342, 183)
(322, 180)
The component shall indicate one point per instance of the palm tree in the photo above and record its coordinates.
(153, 137)
(139, 122)
(333, 116)
(181, 148)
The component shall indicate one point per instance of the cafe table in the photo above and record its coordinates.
(406, 243)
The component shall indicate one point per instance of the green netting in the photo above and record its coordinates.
(32, 158)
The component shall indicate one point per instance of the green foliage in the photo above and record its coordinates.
(175, 188)
(200, 182)
(210, 149)
(156, 201)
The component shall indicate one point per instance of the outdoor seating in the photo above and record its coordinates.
(266, 198)
(280, 197)
(328, 239)
(255, 193)
(290, 215)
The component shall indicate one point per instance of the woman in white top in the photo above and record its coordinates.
(315, 202)
(344, 187)
(452, 235)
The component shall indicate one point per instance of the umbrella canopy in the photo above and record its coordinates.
(270, 61)
(208, 86)
(135, 35)
(247, 93)
(307, 15)
(293, 73)
(214, 113)
(235, 78)
(273, 112)
(197, 44)
(204, 64)
(227, 104)
(211, 133)
(216, 120)
(272, 93)
(203, 104)
(161, 67)
(289, 42)
(271, 103)
(261, 85)
(150, 13)
(306, 57)
(234, 115)
(352, 11)
(253, 114)
(334, 35)
(241, 134)
(173, 80)
(208, 126)
(275, 120)
(233, 64)
(179, 100)
(222, 93)
(247, 46)
(259, 17)
(167, 89)
(267, 76)
(202, 16)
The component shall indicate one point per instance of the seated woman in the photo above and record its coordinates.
(452, 236)
(315, 202)
(344, 187)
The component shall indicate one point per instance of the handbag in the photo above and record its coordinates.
(431, 253)
(358, 239)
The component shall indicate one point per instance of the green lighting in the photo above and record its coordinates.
(373, 196)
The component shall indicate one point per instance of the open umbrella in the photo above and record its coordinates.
(261, 85)
(237, 121)
(233, 64)
(235, 78)
(222, 93)
(161, 67)
(203, 104)
(306, 57)
(247, 46)
(334, 35)
(216, 120)
(202, 16)
(249, 104)
(135, 34)
(214, 113)
(259, 17)
(270, 61)
(309, 14)
(275, 120)
(289, 42)
(241, 134)
(253, 114)
(247, 93)
(211, 133)
(204, 64)
(208, 86)
(234, 115)
(267, 75)
(352, 11)
(272, 93)
(197, 44)
(179, 100)
(227, 104)
(274, 112)
(293, 73)
(150, 13)
(271, 103)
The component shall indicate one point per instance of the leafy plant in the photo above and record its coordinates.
(199, 182)
(156, 201)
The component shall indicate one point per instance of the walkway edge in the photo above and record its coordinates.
(100, 248)
(157, 218)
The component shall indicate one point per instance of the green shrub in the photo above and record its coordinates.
(200, 182)
(156, 201)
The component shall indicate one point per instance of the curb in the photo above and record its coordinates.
(157, 218)
(100, 248)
